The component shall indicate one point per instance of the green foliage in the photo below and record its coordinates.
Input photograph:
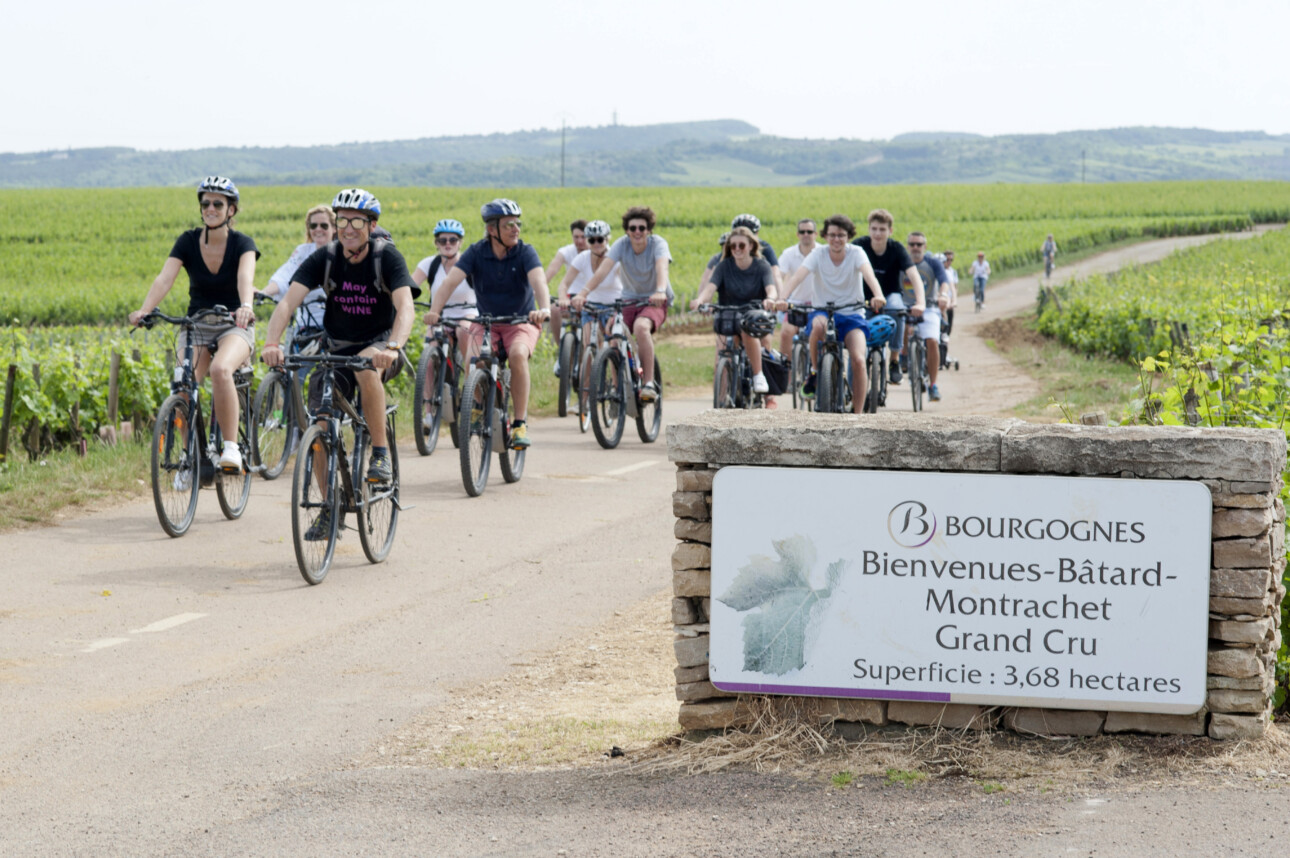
(904, 777)
(841, 779)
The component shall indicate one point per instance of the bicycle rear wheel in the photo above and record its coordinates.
(427, 399)
(917, 368)
(584, 389)
(608, 410)
(234, 490)
(723, 384)
(272, 425)
(379, 516)
(315, 510)
(649, 415)
(476, 431)
(176, 463)
(568, 357)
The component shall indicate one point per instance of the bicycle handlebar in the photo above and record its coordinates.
(150, 319)
(326, 359)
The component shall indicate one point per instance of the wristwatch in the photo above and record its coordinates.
(392, 345)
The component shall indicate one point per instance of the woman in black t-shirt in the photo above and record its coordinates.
(743, 277)
(221, 269)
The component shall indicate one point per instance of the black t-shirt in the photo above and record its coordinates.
(889, 267)
(768, 253)
(357, 310)
(740, 286)
(206, 289)
(712, 263)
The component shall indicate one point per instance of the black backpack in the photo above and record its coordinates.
(435, 265)
(377, 250)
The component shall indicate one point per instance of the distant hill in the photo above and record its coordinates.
(717, 152)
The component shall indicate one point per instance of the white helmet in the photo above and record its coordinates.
(358, 199)
(596, 229)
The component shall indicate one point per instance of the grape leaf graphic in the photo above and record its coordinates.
(775, 636)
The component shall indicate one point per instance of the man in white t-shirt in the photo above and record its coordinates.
(980, 273)
(789, 261)
(564, 256)
(840, 270)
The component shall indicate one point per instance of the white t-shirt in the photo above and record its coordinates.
(839, 284)
(567, 253)
(637, 270)
(609, 290)
(288, 269)
(979, 268)
(791, 259)
(463, 294)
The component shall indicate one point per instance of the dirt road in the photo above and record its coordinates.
(193, 696)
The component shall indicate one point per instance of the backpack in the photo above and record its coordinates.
(377, 249)
(435, 265)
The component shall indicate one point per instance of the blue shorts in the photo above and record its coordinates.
(844, 323)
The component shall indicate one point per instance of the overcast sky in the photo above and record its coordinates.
(156, 74)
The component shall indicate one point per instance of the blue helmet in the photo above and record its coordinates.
(449, 225)
(217, 185)
(359, 200)
(499, 208)
(880, 329)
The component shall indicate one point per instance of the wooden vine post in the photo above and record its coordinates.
(11, 381)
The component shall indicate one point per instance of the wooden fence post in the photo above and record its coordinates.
(114, 383)
(10, 381)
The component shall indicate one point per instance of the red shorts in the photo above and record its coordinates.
(507, 335)
(657, 315)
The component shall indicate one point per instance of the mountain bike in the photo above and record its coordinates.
(916, 357)
(832, 380)
(617, 383)
(732, 377)
(881, 328)
(330, 481)
(597, 317)
(570, 360)
(800, 366)
(183, 453)
(437, 388)
(486, 413)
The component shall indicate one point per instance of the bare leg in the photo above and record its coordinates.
(644, 332)
(857, 348)
(518, 357)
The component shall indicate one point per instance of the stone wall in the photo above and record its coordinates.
(1241, 467)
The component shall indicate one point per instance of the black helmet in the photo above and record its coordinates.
(498, 209)
(757, 323)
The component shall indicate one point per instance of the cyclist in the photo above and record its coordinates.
(890, 261)
(953, 276)
(789, 261)
(448, 234)
(220, 262)
(369, 312)
(980, 272)
(584, 265)
(643, 259)
(742, 277)
(712, 263)
(842, 274)
(508, 280)
(320, 228)
(1049, 250)
(752, 222)
(936, 285)
(563, 257)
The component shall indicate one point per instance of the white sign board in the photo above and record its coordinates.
(1060, 592)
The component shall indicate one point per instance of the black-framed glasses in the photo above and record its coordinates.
(323, 225)
(596, 240)
(213, 204)
(832, 235)
(355, 222)
(637, 228)
(447, 239)
(806, 232)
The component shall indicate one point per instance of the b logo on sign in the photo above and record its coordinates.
(911, 524)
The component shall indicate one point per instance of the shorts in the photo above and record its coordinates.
(504, 336)
(657, 315)
(209, 336)
(345, 383)
(844, 323)
(929, 327)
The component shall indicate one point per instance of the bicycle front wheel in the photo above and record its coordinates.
(608, 411)
(175, 465)
(379, 515)
(828, 385)
(568, 357)
(427, 400)
(873, 396)
(272, 425)
(476, 431)
(649, 415)
(799, 368)
(510, 459)
(315, 504)
(723, 384)
(917, 366)
(584, 389)
(234, 490)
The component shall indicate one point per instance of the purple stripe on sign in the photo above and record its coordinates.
(818, 691)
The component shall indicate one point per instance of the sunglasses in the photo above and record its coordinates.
(323, 225)
(355, 222)
(806, 232)
(738, 245)
(447, 239)
(918, 244)
(595, 241)
(213, 204)
(637, 228)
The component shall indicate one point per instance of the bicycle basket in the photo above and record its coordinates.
(880, 330)
(775, 368)
(725, 322)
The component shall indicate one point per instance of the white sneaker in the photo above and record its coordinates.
(230, 461)
(759, 383)
(183, 480)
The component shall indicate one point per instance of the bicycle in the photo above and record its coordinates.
(330, 482)
(438, 384)
(916, 352)
(1048, 266)
(978, 292)
(570, 360)
(180, 464)
(881, 329)
(617, 383)
(486, 413)
(597, 315)
(732, 376)
(275, 431)
(832, 387)
(800, 365)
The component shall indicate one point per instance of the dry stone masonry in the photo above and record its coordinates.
(1241, 467)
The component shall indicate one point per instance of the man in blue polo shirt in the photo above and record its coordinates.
(508, 279)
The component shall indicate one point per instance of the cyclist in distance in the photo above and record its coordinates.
(220, 262)
(448, 235)
(936, 283)
(842, 276)
(953, 303)
(891, 265)
(1049, 250)
(584, 265)
(789, 261)
(980, 272)
(562, 258)
(320, 228)
(508, 280)
(643, 259)
(369, 311)
(743, 277)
